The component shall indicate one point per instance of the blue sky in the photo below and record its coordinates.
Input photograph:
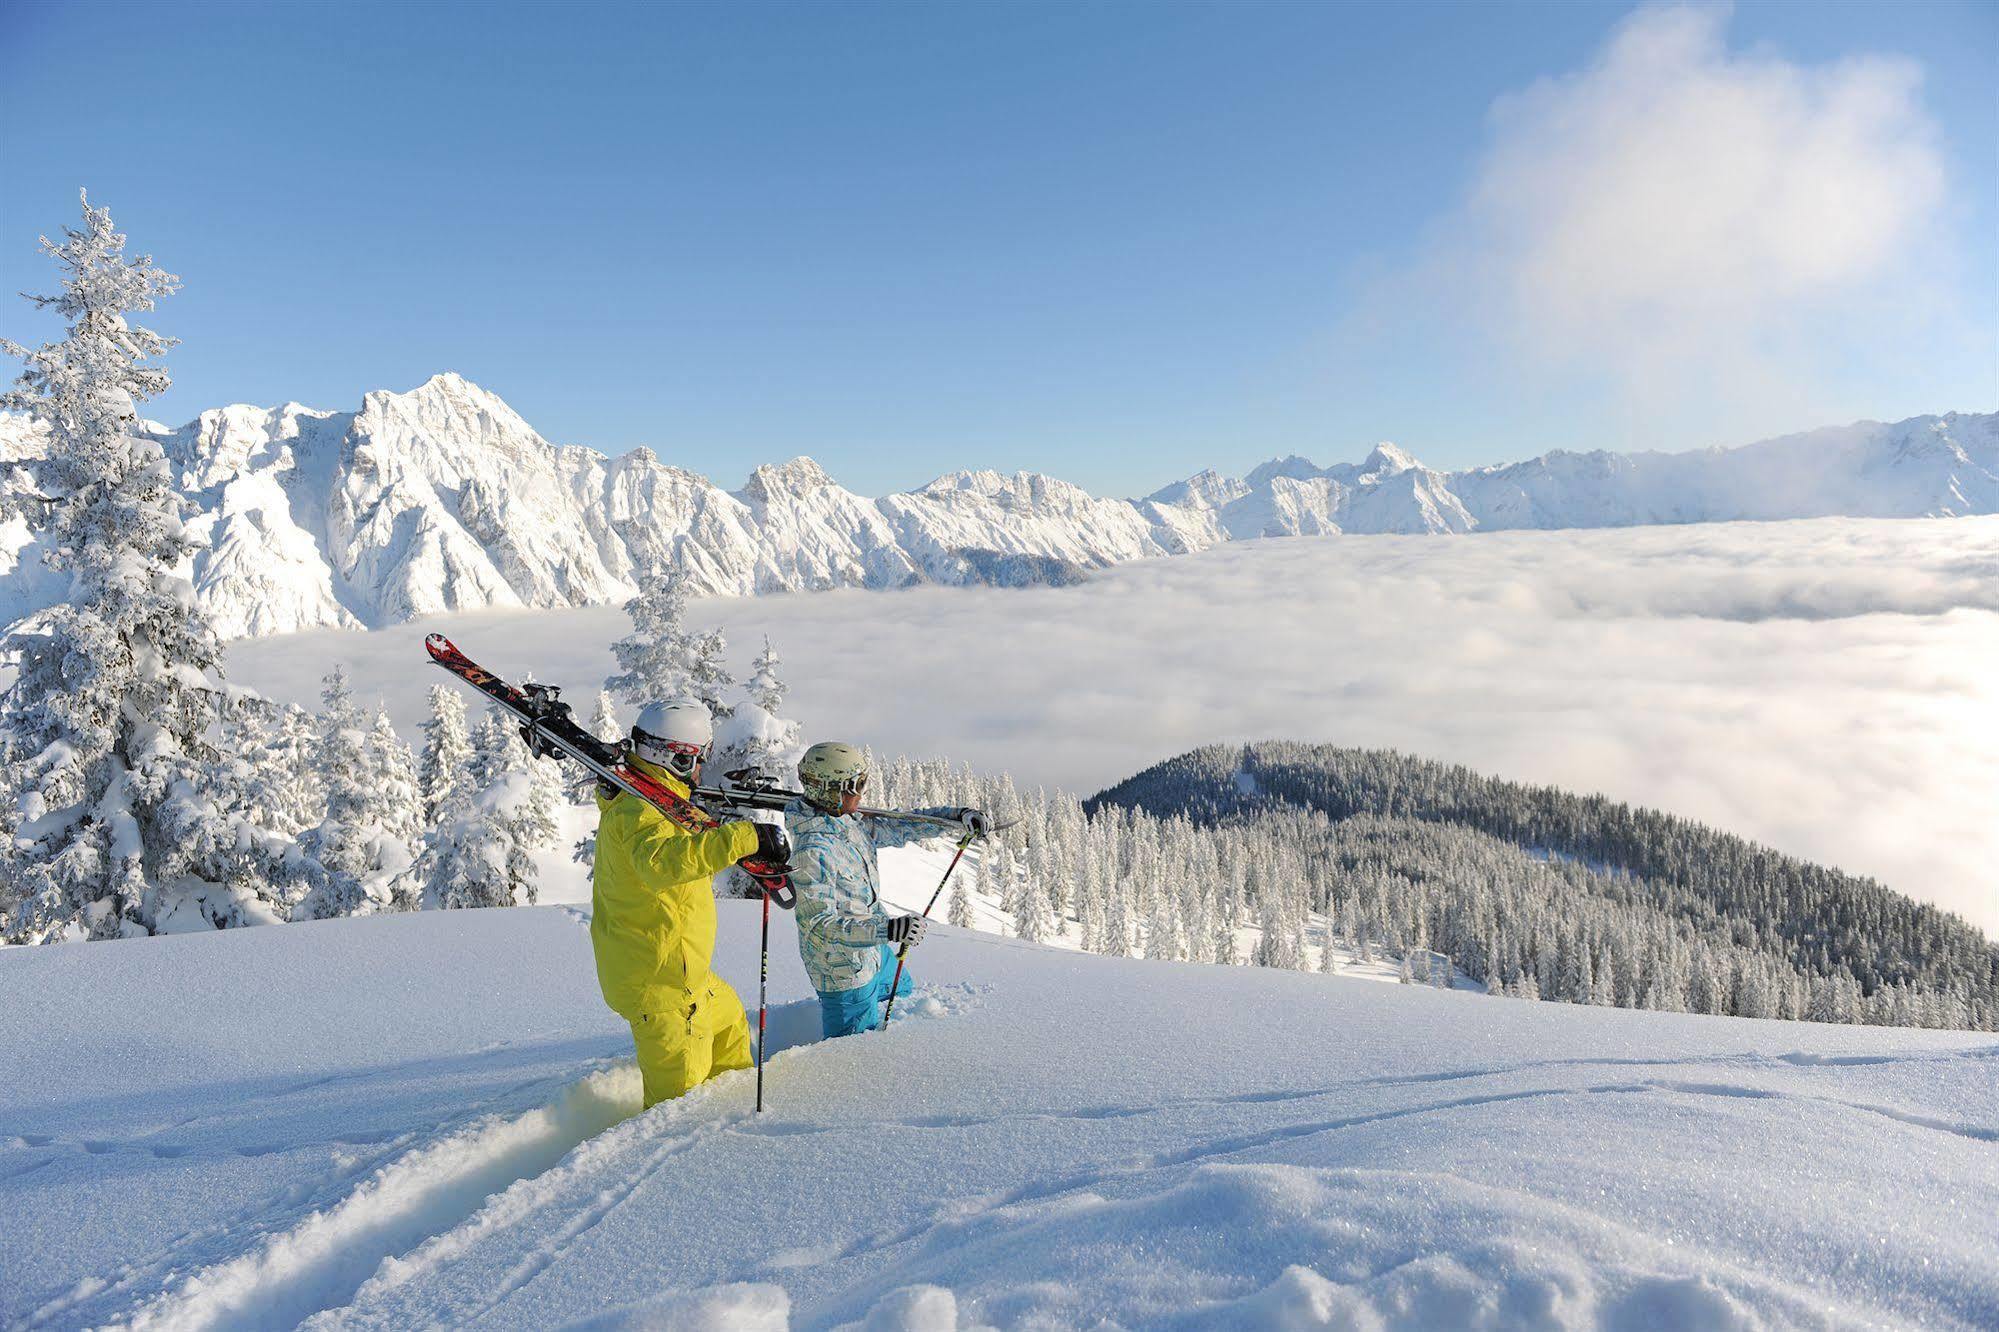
(1114, 242)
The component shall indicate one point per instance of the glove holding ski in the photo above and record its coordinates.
(904, 931)
(773, 847)
(975, 822)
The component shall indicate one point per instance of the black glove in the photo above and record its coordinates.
(773, 847)
(975, 821)
(904, 931)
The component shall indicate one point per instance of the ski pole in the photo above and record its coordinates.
(903, 951)
(763, 999)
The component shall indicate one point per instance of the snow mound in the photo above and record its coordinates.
(741, 1307)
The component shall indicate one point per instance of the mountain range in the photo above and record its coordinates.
(444, 499)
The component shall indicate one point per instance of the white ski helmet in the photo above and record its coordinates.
(832, 769)
(674, 734)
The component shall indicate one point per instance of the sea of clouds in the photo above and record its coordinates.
(1827, 687)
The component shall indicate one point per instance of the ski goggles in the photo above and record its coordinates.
(662, 749)
(847, 786)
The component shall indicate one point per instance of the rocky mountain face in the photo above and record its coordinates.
(444, 499)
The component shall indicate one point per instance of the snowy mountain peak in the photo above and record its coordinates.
(1206, 489)
(1294, 468)
(445, 409)
(798, 477)
(1386, 460)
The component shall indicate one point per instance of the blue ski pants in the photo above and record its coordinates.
(849, 1012)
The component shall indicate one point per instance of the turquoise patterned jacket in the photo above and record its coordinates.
(841, 920)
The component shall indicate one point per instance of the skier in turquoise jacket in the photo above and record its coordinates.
(846, 938)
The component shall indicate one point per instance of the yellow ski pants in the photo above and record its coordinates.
(683, 1047)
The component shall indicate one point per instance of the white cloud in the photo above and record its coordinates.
(1823, 686)
(1689, 224)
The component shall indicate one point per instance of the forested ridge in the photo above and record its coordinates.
(1633, 883)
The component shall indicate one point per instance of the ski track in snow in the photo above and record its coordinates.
(413, 1205)
(1078, 1138)
(324, 1192)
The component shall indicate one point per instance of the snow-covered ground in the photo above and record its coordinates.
(430, 1120)
(1824, 687)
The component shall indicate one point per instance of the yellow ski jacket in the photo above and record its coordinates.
(652, 922)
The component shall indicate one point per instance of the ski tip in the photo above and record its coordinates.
(438, 645)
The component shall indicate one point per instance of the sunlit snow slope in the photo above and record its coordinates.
(429, 1120)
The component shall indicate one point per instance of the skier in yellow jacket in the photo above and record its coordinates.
(652, 922)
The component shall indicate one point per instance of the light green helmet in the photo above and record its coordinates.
(832, 769)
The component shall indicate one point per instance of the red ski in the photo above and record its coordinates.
(549, 728)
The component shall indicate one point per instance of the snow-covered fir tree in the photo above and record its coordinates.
(1031, 918)
(1278, 946)
(277, 741)
(393, 765)
(363, 844)
(759, 735)
(445, 768)
(960, 911)
(1117, 919)
(661, 658)
(480, 854)
(1226, 952)
(1162, 930)
(297, 790)
(129, 802)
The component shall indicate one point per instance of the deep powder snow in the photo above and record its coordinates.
(426, 1120)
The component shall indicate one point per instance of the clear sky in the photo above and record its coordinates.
(1116, 242)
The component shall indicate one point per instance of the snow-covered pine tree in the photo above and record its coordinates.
(759, 735)
(1226, 952)
(445, 769)
(1031, 917)
(604, 722)
(661, 659)
(960, 912)
(1200, 928)
(901, 790)
(765, 686)
(1278, 946)
(124, 790)
(287, 796)
(712, 681)
(295, 780)
(1006, 881)
(1162, 929)
(362, 846)
(1117, 918)
(393, 766)
(479, 855)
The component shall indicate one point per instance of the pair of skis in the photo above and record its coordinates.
(551, 729)
(746, 788)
